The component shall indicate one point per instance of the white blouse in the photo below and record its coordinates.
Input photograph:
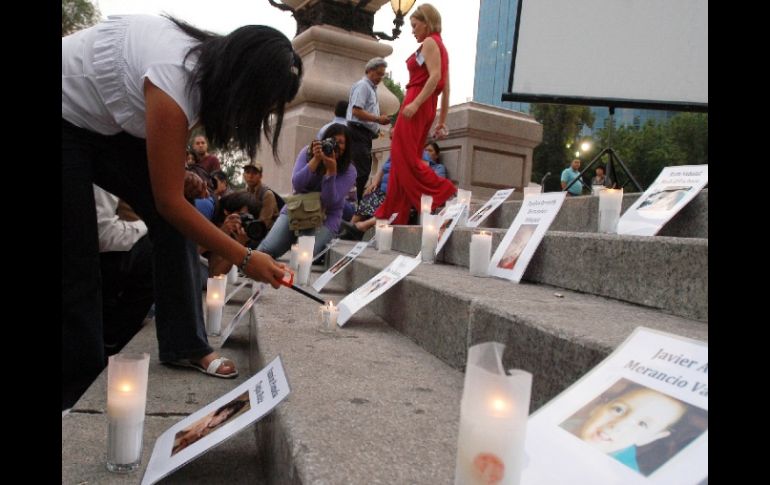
(104, 67)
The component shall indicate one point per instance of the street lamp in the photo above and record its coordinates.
(400, 8)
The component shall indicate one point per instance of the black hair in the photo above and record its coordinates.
(244, 77)
(602, 167)
(343, 160)
(190, 151)
(236, 406)
(341, 110)
(219, 175)
(233, 202)
(438, 150)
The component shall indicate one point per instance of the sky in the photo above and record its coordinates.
(459, 27)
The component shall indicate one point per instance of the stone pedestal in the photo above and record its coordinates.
(333, 59)
(488, 148)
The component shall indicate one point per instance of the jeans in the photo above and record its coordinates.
(118, 164)
(280, 238)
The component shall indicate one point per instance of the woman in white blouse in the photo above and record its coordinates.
(132, 88)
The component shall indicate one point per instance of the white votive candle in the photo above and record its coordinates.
(490, 447)
(429, 237)
(385, 238)
(215, 302)
(304, 262)
(480, 253)
(293, 256)
(426, 206)
(305, 258)
(329, 314)
(528, 191)
(464, 198)
(493, 419)
(610, 201)
(126, 401)
(232, 275)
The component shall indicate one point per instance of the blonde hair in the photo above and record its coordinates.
(427, 13)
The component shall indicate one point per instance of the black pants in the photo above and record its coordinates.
(118, 164)
(127, 293)
(361, 154)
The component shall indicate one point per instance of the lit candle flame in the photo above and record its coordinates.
(215, 295)
(499, 405)
(126, 387)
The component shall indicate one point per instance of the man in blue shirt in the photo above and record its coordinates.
(568, 175)
(364, 118)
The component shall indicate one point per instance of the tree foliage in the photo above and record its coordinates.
(682, 140)
(394, 88)
(561, 124)
(232, 165)
(77, 15)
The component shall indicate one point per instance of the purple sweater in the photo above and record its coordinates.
(334, 188)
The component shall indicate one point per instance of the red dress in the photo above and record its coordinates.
(410, 177)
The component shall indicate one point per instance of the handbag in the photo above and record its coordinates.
(304, 211)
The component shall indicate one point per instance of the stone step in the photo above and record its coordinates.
(668, 273)
(172, 395)
(556, 334)
(367, 404)
(581, 214)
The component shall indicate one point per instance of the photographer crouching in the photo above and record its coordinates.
(322, 177)
(234, 215)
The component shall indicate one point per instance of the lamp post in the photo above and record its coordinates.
(353, 16)
(400, 9)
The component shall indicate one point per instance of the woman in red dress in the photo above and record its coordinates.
(428, 77)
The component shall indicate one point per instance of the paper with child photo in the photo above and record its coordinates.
(485, 210)
(379, 284)
(339, 265)
(256, 292)
(672, 190)
(520, 242)
(639, 417)
(218, 421)
(449, 219)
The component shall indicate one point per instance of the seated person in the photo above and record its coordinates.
(332, 175)
(374, 193)
(600, 178)
(432, 155)
(266, 200)
(220, 184)
(233, 212)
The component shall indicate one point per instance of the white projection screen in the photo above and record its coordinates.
(634, 53)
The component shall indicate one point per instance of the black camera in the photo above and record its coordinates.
(328, 145)
(256, 230)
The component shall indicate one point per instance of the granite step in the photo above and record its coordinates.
(556, 334)
(667, 273)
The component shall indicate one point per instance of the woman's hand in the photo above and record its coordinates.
(262, 267)
(441, 131)
(370, 188)
(410, 109)
(330, 163)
